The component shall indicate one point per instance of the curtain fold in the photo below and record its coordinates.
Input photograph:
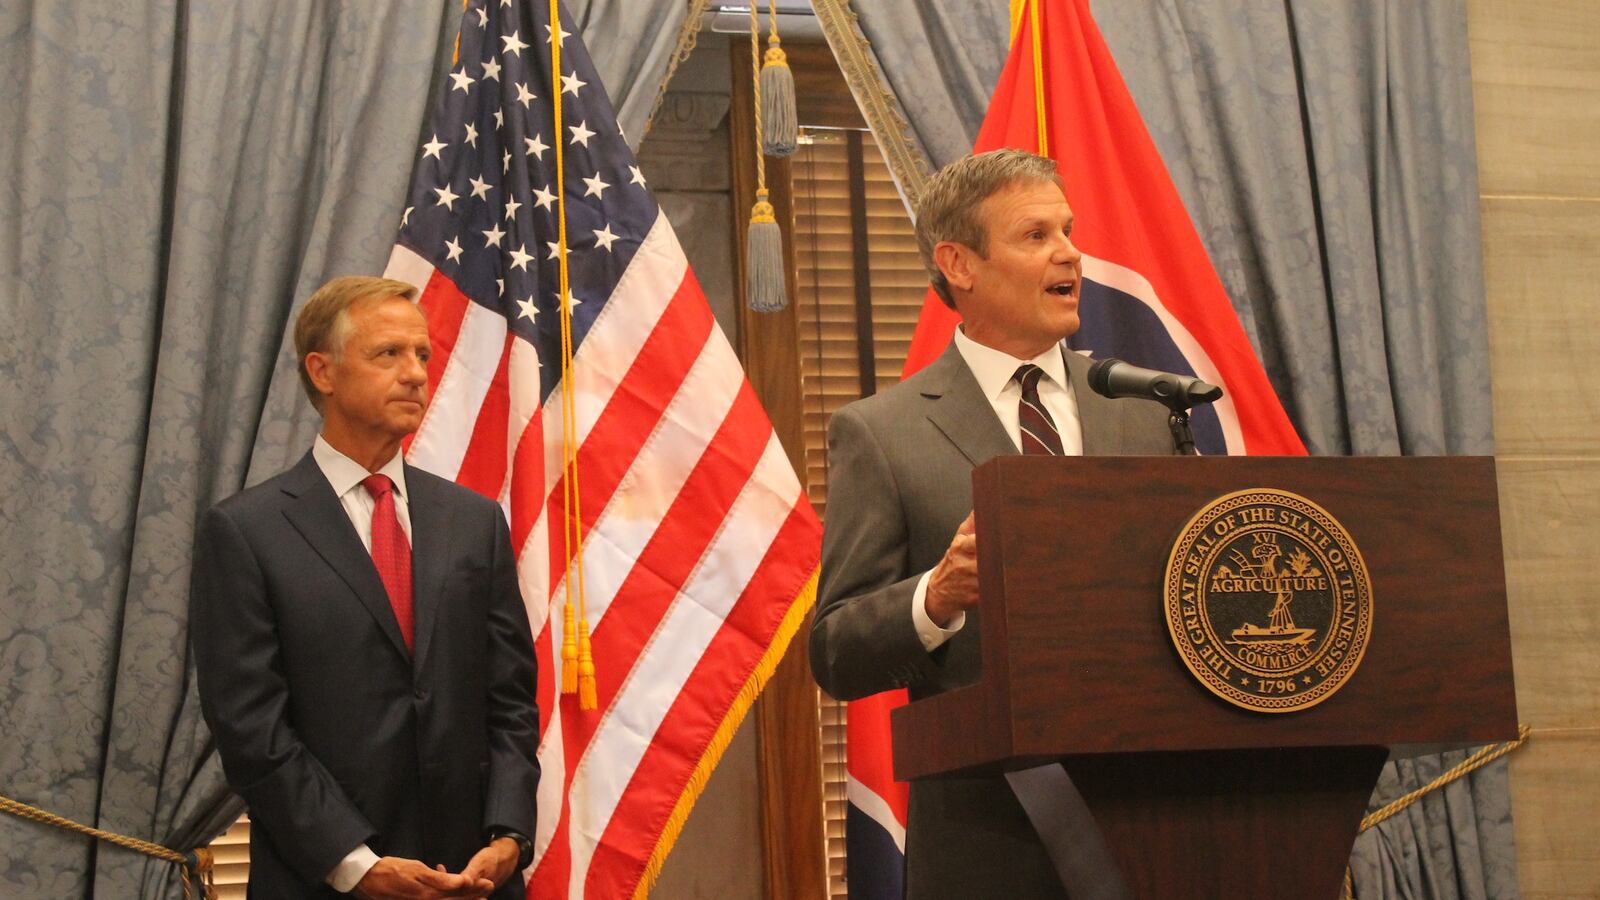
(1326, 153)
(181, 173)
(632, 43)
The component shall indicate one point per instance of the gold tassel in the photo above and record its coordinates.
(572, 510)
(587, 698)
(569, 651)
(780, 136)
(764, 287)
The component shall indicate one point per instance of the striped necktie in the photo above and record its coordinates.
(1038, 431)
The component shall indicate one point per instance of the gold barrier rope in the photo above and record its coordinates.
(193, 867)
(198, 865)
(1478, 760)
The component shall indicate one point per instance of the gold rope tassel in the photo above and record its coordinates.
(576, 657)
(569, 651)
(780, 135)
(764, 286)
(587, 697)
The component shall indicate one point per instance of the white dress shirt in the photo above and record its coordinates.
(995, 372)
(345, 476)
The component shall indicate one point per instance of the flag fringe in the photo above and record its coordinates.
(730, 725)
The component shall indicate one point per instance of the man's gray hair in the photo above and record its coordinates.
(323, 325)
(951, 206)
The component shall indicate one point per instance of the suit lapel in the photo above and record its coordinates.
(1102, 425)
(315, 513)
(965, 416)
(962, 412)
(430, 536)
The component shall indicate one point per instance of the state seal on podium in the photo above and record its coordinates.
(1268, 601)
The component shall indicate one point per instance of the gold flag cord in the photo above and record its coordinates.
(1036, 39)
(577, 658)
(195, 867)
(455, 52)
(1038, 77)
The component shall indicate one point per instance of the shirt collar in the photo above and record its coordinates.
(995, 369)
(344, 473)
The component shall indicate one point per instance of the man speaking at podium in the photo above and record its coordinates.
(363, 654)
(899, 589)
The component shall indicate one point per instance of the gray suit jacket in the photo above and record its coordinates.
(899, 485)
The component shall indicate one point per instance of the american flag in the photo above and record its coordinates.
(699, 547)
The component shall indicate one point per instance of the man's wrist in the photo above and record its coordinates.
(929, 632)
(524, 845)
(350, 870)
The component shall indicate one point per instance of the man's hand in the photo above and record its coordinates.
(953, 586)
(494, 863)
(408, 879)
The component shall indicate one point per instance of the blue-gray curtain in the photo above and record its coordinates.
(1325, 151)
(178, 174)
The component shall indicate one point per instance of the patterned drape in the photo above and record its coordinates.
(178, 174)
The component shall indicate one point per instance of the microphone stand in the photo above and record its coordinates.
(1182, 437)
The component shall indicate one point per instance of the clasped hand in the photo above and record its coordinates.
(409, 879)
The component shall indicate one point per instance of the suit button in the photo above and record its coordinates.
(420, 694)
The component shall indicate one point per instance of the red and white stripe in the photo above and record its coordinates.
(697, 540)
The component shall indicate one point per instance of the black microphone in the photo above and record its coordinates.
(1115, 378)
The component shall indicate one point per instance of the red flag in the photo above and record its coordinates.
(1135, 234)
(1150, 296)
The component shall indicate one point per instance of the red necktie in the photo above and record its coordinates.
(1038, 430)
(391, 552)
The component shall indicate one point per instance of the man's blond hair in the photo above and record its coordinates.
(951, 206)
(323, 325)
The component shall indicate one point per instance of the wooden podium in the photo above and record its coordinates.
(1197, 797)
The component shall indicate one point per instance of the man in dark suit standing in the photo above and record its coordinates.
(899, 589)
(363, 653)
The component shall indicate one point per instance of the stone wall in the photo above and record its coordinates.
(1536, 87)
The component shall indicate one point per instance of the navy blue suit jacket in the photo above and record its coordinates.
(332, 732)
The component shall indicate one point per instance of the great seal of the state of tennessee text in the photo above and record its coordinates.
(1268, 601)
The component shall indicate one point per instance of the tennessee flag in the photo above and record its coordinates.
(1150, 297)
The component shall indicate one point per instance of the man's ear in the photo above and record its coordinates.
(319, 366)
(955, 260)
